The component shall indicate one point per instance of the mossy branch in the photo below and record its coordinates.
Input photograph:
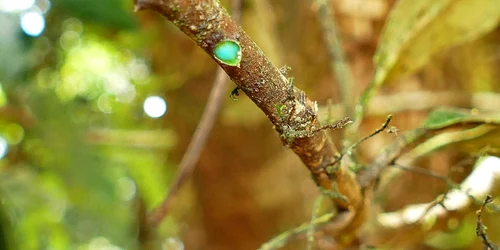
(208, 24)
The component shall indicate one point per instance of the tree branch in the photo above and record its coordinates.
(194, 149)
(294, 116)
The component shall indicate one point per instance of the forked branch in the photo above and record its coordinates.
(293, 115)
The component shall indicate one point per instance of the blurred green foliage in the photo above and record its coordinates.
(108, 13)
(82, 162)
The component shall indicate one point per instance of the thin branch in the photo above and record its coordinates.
(199, 139)
(336, 125)
(371, 173)
(236, 9)
(427, 172)
(445, 178)
(422, 100)
(380, 129)
(394, 226)
(310, 231)
(368, 176)
(438, 201)
(418, 100)
(335, 48)
(280, 240)
(330, 222)
(208, 24)
(194, 149)
(481, 229)
(444, 139)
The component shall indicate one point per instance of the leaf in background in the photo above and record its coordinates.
(104, 12)
(446, 117)
(416, 30)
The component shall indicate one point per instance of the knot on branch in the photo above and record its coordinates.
(297, 114)
(299, 118)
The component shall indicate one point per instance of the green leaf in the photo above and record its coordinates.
(446, 117)
(416, 30)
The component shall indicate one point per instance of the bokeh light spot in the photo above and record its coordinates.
(3, 147)
(138, 70)
(172, 244)
(70, 39)
(102, 243)
(119, 86)
(43, 5)
(16, 5)
(32, 23)
(126, 188)
(14, 133)
(73, 24)
(104, 104)
(155, 106)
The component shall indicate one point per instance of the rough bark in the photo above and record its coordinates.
(294, 116)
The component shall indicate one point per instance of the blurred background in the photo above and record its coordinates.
(98, 104)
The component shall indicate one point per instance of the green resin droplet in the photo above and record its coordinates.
(228, 52)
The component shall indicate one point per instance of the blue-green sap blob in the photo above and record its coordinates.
(228, 52)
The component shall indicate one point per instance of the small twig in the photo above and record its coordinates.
(236, 7)
(334, 192)
(481, 229)
(336, 125)
(192, 154)
(371, 173)
(382, 105)
(315, 213)
(198, 141)
(427, 172)
(448, 138)
(382, 128)
(446, 179)
(399, 226)
(438, 201)
(338, 61)
(280, 240)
